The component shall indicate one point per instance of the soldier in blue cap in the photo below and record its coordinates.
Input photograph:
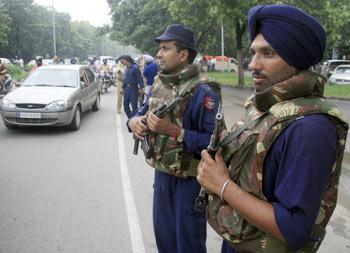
(177, 140)
(274, 185)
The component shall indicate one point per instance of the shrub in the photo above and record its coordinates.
(16, 72)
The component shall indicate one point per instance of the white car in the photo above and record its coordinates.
(340, 75)
(45, 62)
(54, 95)
(5, 61)
(329, 66)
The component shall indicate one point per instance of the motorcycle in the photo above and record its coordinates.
(105, 81)
(7, 85)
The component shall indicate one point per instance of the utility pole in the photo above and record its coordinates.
(53, 30)
(222, 44)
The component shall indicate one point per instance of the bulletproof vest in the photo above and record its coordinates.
(170, 156)
(245, 153)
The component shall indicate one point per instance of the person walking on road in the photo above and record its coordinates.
(280, 188)
(119, 83)
(132, 85)
(176, 141)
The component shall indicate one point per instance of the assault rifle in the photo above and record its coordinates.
(160, 112)
(202, 199)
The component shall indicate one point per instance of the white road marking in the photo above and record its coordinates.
(133, 221)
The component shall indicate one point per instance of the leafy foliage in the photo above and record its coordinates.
(138, 22)
(16, 72)
(26, 30)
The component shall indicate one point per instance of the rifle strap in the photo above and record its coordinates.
(233, 135)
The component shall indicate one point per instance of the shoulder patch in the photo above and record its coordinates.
(209, 103)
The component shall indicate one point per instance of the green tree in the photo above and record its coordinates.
(138, 22)
(334, 16)
(4, 26)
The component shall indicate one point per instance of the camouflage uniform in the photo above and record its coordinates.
(249, 142)
(178, 228)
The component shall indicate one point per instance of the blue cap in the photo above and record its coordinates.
(180, 33)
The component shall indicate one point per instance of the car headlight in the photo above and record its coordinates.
(8, 104)
(56, 105)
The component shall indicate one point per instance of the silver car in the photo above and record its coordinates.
(55, 95)
(341, 75)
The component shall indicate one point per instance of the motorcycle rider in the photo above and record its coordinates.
(38, 62)
(105, 67)
(92, 66)
(106, 71)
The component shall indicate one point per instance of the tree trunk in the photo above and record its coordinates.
(240, 28)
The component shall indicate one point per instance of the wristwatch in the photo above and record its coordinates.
(181, 136)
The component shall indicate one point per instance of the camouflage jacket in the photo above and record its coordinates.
(170, 156)
(246, 152)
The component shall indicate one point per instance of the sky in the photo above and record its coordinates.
(96, 12)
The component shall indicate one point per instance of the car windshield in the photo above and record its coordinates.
(52, 77)
(333, 65)
(343, 70)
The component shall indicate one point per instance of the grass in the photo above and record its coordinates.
(232, 79)
(337, 91)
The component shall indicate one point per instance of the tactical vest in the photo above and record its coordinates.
(170, 156)
(245, 156)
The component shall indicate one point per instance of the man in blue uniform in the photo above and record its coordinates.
(132, 84)
(176, 140)
(149, 72)
(285, 155)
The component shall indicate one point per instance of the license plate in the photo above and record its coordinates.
(30, 115)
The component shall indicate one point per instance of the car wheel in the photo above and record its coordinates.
(75, 124)
(96, 105)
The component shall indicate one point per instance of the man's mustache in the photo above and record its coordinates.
(256, 74)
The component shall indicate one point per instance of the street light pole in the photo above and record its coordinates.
(222, 40)
(222, 45)
(53, 30)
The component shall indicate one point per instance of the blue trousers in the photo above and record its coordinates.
(226, 248)
(130, 98)
(177, 227)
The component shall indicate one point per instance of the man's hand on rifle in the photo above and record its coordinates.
(212, 173)
(161, 125)
(139, 129)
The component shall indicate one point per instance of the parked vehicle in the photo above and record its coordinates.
(329, 66)
(340, 75)
(210, 63)
(45, 62)
(55, 95)
(226, 64)
(5, 61)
